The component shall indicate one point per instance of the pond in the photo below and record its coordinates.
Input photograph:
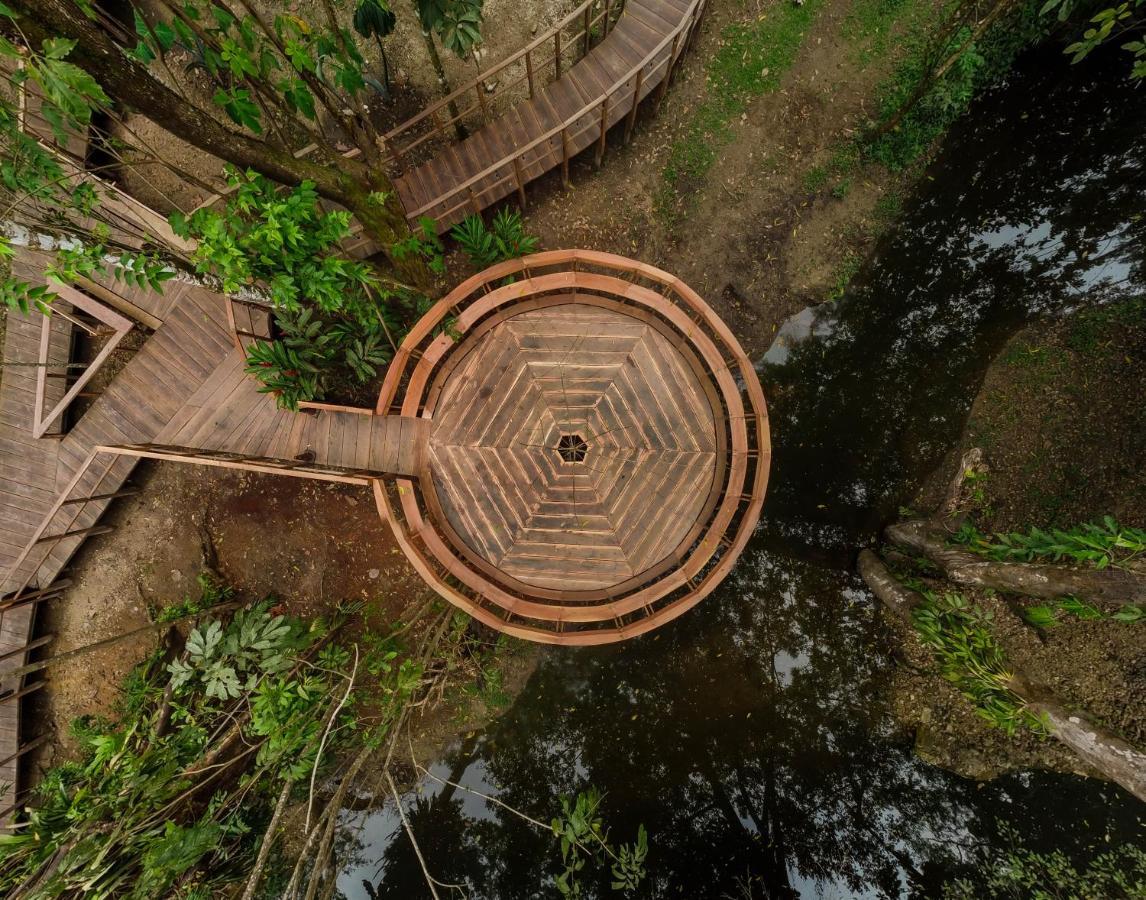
(753, 736)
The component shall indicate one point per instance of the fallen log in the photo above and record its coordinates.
(1099, 748)
(1111, 587)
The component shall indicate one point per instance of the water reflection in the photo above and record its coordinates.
(752, 736)
(1034, 207)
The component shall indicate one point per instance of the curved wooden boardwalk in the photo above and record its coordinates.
(625, 55)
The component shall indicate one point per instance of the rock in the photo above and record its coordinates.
(373, 574)
(491, 86)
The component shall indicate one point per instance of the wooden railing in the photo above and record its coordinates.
(655, 596)
(59, 523)
(654, 70)
(540, 62)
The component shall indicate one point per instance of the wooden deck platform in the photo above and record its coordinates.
(599, 453)
(557, 432)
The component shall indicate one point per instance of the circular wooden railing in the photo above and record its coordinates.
(708, 549)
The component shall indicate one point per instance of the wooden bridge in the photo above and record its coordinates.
(533, 112)
(575, 82)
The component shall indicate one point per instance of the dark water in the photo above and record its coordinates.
(752, 737)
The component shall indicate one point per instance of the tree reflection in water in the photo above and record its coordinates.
(752, 736)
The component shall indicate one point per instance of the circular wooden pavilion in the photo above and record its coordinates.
(597, 450)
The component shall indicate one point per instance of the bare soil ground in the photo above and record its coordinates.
(309, 544)
(1064, 441)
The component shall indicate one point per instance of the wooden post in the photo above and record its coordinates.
(557, 54)
(54, 588)
(23, 692)
(79, 532)
(529, 70)
(636, 101)
(26, 748)
(604, 128)
(396, 154)
(474, 202)
(663, 87)
(588, 26)
(480, 88)
(114, 495)
(565, 157)
(608, 15)
(520, 181)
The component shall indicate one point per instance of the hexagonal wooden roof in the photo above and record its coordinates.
(638, 429)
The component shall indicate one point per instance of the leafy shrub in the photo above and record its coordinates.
(423, 242)
(970, 658)
(1097, 545)
(1046, 615)
(334, 313)
(505, 239)
(582, 835)
(312, 353)
(1019, 872)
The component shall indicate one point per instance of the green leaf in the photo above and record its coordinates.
(58, 47)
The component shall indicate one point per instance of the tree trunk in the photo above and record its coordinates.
(1110, 586)
(1105, 752)
(443, 82)
(346, 181)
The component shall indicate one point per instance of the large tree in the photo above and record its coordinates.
(228, 78)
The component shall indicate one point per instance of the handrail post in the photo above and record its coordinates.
(565, 157)
(669, 64)
(529, 70)
(480, 88)
(396, 155)
(588, 25)
(632, 120)
(608, 15)
(557, 54)
(474, 202)
(604, 128)
(520, 181)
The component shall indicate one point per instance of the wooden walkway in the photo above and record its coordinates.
(579, 79)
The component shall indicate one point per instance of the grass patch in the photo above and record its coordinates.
(816, 178)
(753, 57)
(870, 26)
(1091, 330)
(845, 272)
